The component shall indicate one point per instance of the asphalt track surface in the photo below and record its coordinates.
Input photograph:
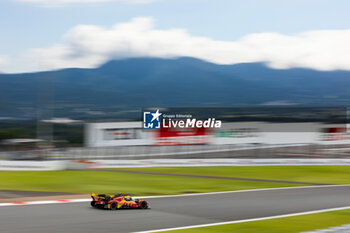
(169, 212)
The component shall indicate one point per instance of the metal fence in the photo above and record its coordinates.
(186, 152)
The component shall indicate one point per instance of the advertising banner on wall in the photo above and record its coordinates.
(116, 134)
(182, 136)
(195, 126)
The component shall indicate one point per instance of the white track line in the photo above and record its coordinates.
(62, 201)
(246, 220)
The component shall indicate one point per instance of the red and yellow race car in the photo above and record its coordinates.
(117, 201)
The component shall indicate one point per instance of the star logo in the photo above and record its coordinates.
(156, 115)
(151, 120)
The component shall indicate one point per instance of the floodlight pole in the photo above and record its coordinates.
(45, 106)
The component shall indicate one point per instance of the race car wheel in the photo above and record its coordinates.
(113, 206)
(93, 204)
(143, 205)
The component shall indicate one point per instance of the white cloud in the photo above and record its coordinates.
(59, 3)
(4, 61)
(90, 46)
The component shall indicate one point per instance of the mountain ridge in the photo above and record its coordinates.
(138, 82)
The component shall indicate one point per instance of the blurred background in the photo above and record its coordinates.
(72, 86)
(76, 75)
(245, 133)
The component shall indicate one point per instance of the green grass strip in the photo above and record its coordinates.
(311, 174)
(110, 182)
(295, 224)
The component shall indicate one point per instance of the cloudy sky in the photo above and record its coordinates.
(52, 34)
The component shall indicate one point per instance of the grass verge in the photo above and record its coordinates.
(110, 182)
(140, 184)
(311, 174)
(296, 224)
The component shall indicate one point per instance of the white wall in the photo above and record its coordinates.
(95, 134)
(230, 133)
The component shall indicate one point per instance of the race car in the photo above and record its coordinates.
(117, 201)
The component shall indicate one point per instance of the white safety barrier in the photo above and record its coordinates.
(159, 151)
(9, 165)
(6, 165)
(214, 162)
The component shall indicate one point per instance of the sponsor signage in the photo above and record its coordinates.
(179, 127)
(157, 120)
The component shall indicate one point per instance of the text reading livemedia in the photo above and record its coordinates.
(156, 119)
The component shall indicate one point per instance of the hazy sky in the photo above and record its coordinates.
(51, 34)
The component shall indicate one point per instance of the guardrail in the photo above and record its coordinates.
(138, 152)
(6, 165)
